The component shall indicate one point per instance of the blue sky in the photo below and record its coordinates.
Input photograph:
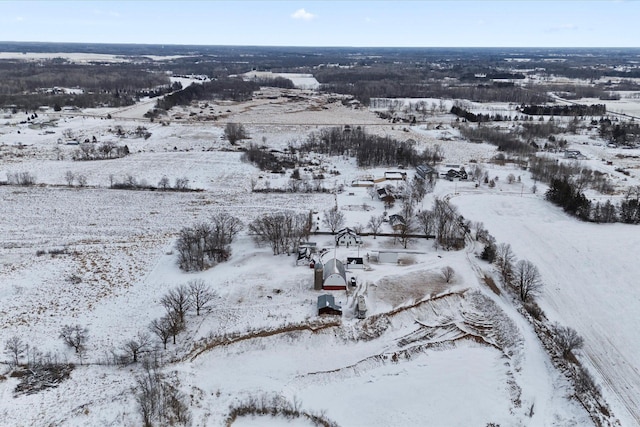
(327, 23)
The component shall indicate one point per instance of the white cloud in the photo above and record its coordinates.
(19, 19)
(303, 14)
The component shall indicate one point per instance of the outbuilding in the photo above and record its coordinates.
(334, 277)
(327, 305)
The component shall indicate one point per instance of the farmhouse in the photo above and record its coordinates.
(327, 305)
(455, 172)
(397, 222)
(348, 237)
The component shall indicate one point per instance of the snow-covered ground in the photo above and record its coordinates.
(429, 352)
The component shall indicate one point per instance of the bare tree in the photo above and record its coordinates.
(177, 300)
(426, 221)
(175, 324)
(15, 348)
(69, 177)
(375, 222)
(226, 227)
(75, 337)
(164, 184)
(504, 260)
(333, 219)
(139, 344)
(282, 231)
(201, 295)
(181, 184)
(371, 191)
(82, 180)
(162, 329)
(527, 280)
(567, 339)
(448, 274)
(234, 132)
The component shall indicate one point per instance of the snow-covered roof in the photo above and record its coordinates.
(334, 266)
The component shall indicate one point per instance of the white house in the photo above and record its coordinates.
(348, 237)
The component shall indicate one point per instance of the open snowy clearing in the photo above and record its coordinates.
(589, 271)
(450, 353)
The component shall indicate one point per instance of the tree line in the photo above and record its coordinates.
(369, 150)
(234, 89)
(565, 110)
(566, 194)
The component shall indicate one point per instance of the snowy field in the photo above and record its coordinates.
(428, 353)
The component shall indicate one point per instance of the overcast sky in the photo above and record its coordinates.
(327, 23)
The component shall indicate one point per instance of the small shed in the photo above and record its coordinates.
(327, 305)
(395, 176)
(334, 277)
(355, 263)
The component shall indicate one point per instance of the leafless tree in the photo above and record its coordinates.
(567, 339)
(448, 274)
(281, 231)
(426, 222)
(371, 191)
(137, 345)
(375, 222)
(106, 148)
(175, 324)
(162, 329)
(225, 227)
(234, 132)
(201, 295)
(158, 400)
(75, 337)
(527, 280)
(82, 180)
(449, 233)
(504, 260)
(181, 184)
(69, 177)
(15, 348)
(177, 300)
(333, 219)
(164, 184)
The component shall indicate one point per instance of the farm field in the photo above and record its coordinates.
(432, 349)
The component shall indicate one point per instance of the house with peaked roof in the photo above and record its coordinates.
(327, 305)
(348, 237)
(397, 222)
(426, 172)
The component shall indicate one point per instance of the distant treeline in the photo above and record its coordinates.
(234, 89)
(565, 110)
(29, 85)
